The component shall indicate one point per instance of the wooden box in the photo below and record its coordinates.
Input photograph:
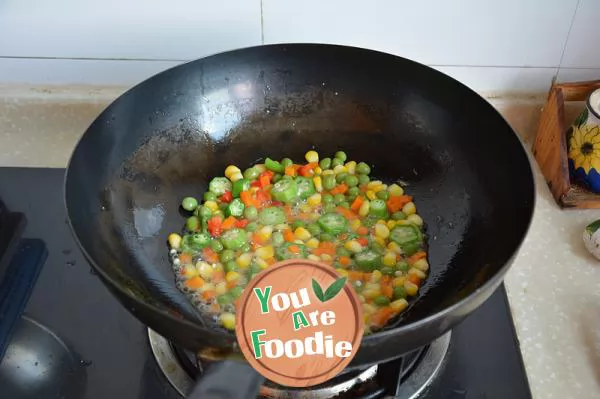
(564, 103)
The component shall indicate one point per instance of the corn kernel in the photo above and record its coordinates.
(403, 223)
(409, 209)
(376, 276)
(380, 241)
(364, 208)
(230, 170)
(326, 258)
(263, 264)
(421, 264)
(318, 182)
(221, 288)
(411, 289)
(260, 167)
(312, 243)
(244, 260)
(174, 240)
(281, 227)
(340, 169)
(369, 309)
(371, 294)
(415, 219)
(371, 195)
(265, 232)
(212, 205)
(416, 272)
(311, 156)
(299, 242)
(236, 176)
(227, 320)
(382, 231)
(302, 234)
(318, 170)
(314, 258)
(353, 246)
(379, 187)
(381, 221)
(374, 183)
(392, 246)
(399, 305)
(351, 167)
(396, 190)
(399, 281)
(232, 276)
(218, 267)
(389, 259)
(190, 271)
(327, 172)
(253, 190)
(305, 208)
(342, 272)
(355, 224)
(391, 224)
(265, 252)
(314, 199)
(205, 270)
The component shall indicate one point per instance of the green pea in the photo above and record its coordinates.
(327, 198)
(339, 198)
(341, 251)
(363, 169)
(353, 192)
(363, 179)
(340, 177)
(383, 195)
(210, 196)
(254, 269)
(381, 301)
(326, 237)
(277, 238)
(251, 173)
(285, 162)
(325, 163)
(224, 299)
(226, 256)
(246, 248)
(297, 223)
(203, 212)
(402, 266)
(236, 292)
(388, 271)
(398, 215)
(345, 204)
(192, 223)
(329, 207)
(314, 229)
(336, 162)
(216, 245)
(399, 293)
(231, 266)
(358, 286)
(341, 155)
(250, 213)
(189, 203)
(351, 181)
(276, 177)
(328, 182)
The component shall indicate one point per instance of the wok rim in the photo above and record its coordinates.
(490, 284)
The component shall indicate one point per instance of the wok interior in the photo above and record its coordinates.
(166, 138)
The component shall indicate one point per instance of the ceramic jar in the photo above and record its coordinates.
(583, 145)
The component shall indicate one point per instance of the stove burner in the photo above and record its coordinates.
(410, 376)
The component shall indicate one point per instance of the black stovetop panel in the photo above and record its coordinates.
(115, 360)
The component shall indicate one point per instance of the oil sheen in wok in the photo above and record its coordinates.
(327, 210)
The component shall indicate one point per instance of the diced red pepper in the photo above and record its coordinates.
(255, 183)
(214, 226)
(227, 197)
(262, 197)
(241, 223)
(276, 203)
(265, 178)
(307, 170)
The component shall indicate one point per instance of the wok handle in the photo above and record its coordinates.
(228, 379)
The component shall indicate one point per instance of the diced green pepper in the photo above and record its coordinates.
(333, 223)
(235, 208)
(408, 237)
(224, 299)
(216, 245)
(287, 162)
(283, 252)
(285, 190)
(236, 292)
(219, 185)
(367, 260)
(192, 223)
(196, 241)
(271, 216)
(306, 187)
(234, 239)
(274, 166)
(239, 186)
(251, 173)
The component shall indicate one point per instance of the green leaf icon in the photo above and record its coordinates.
(334, 288)
(318, 290)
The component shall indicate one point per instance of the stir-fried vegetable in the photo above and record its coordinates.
(326, 210)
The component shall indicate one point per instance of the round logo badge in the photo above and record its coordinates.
(299, 323)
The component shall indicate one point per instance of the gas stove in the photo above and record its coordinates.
(67, 337)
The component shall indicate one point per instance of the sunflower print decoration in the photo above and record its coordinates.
(584, 151)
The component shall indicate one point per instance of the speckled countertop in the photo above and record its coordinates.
(553, 286)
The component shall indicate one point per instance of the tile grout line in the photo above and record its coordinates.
(564, 49)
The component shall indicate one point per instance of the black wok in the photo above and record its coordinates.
(165, 138)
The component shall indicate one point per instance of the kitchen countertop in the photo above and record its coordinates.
(553, 286)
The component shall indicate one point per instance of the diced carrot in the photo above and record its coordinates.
(208, 295)
(262, 198)
(246, 197)
(387, 290)
(382, 316)
(356, 204)
(290, 171)
(288, 236)
(307, 170)
(194, 283)
(215, 307)
(265, 180)
(242, 223)
(294, 249)
(347, 213)
(418, 255)
(355, 276)
(270, 261)
(229, 223)
(363, 188)
(396, 202)
(362, 230)
(231, 284)
(210, 256)
(339, 189)
(185, 258)
(345, 260)
(363, 241)
(325, 247)
(414, 279)
(218, 276)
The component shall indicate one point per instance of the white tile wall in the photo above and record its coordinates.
(490, 45)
